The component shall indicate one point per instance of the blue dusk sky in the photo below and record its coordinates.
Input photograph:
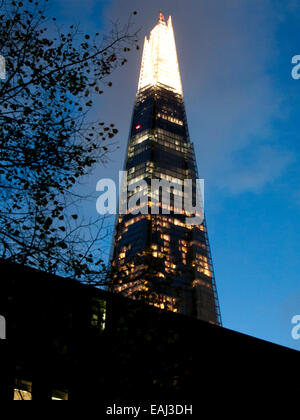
(243, 113)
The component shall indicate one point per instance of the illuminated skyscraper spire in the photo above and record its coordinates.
(158, 257)
(159, 62)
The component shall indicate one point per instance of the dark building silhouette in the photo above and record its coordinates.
(160, 257)
(69, 341)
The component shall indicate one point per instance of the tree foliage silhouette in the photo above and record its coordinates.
(47, 141)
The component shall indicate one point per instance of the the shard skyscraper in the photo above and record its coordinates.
(159, 257)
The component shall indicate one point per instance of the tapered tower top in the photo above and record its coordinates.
(159, 61)
(161, 17)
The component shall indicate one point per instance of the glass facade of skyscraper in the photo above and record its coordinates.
(159, 257)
